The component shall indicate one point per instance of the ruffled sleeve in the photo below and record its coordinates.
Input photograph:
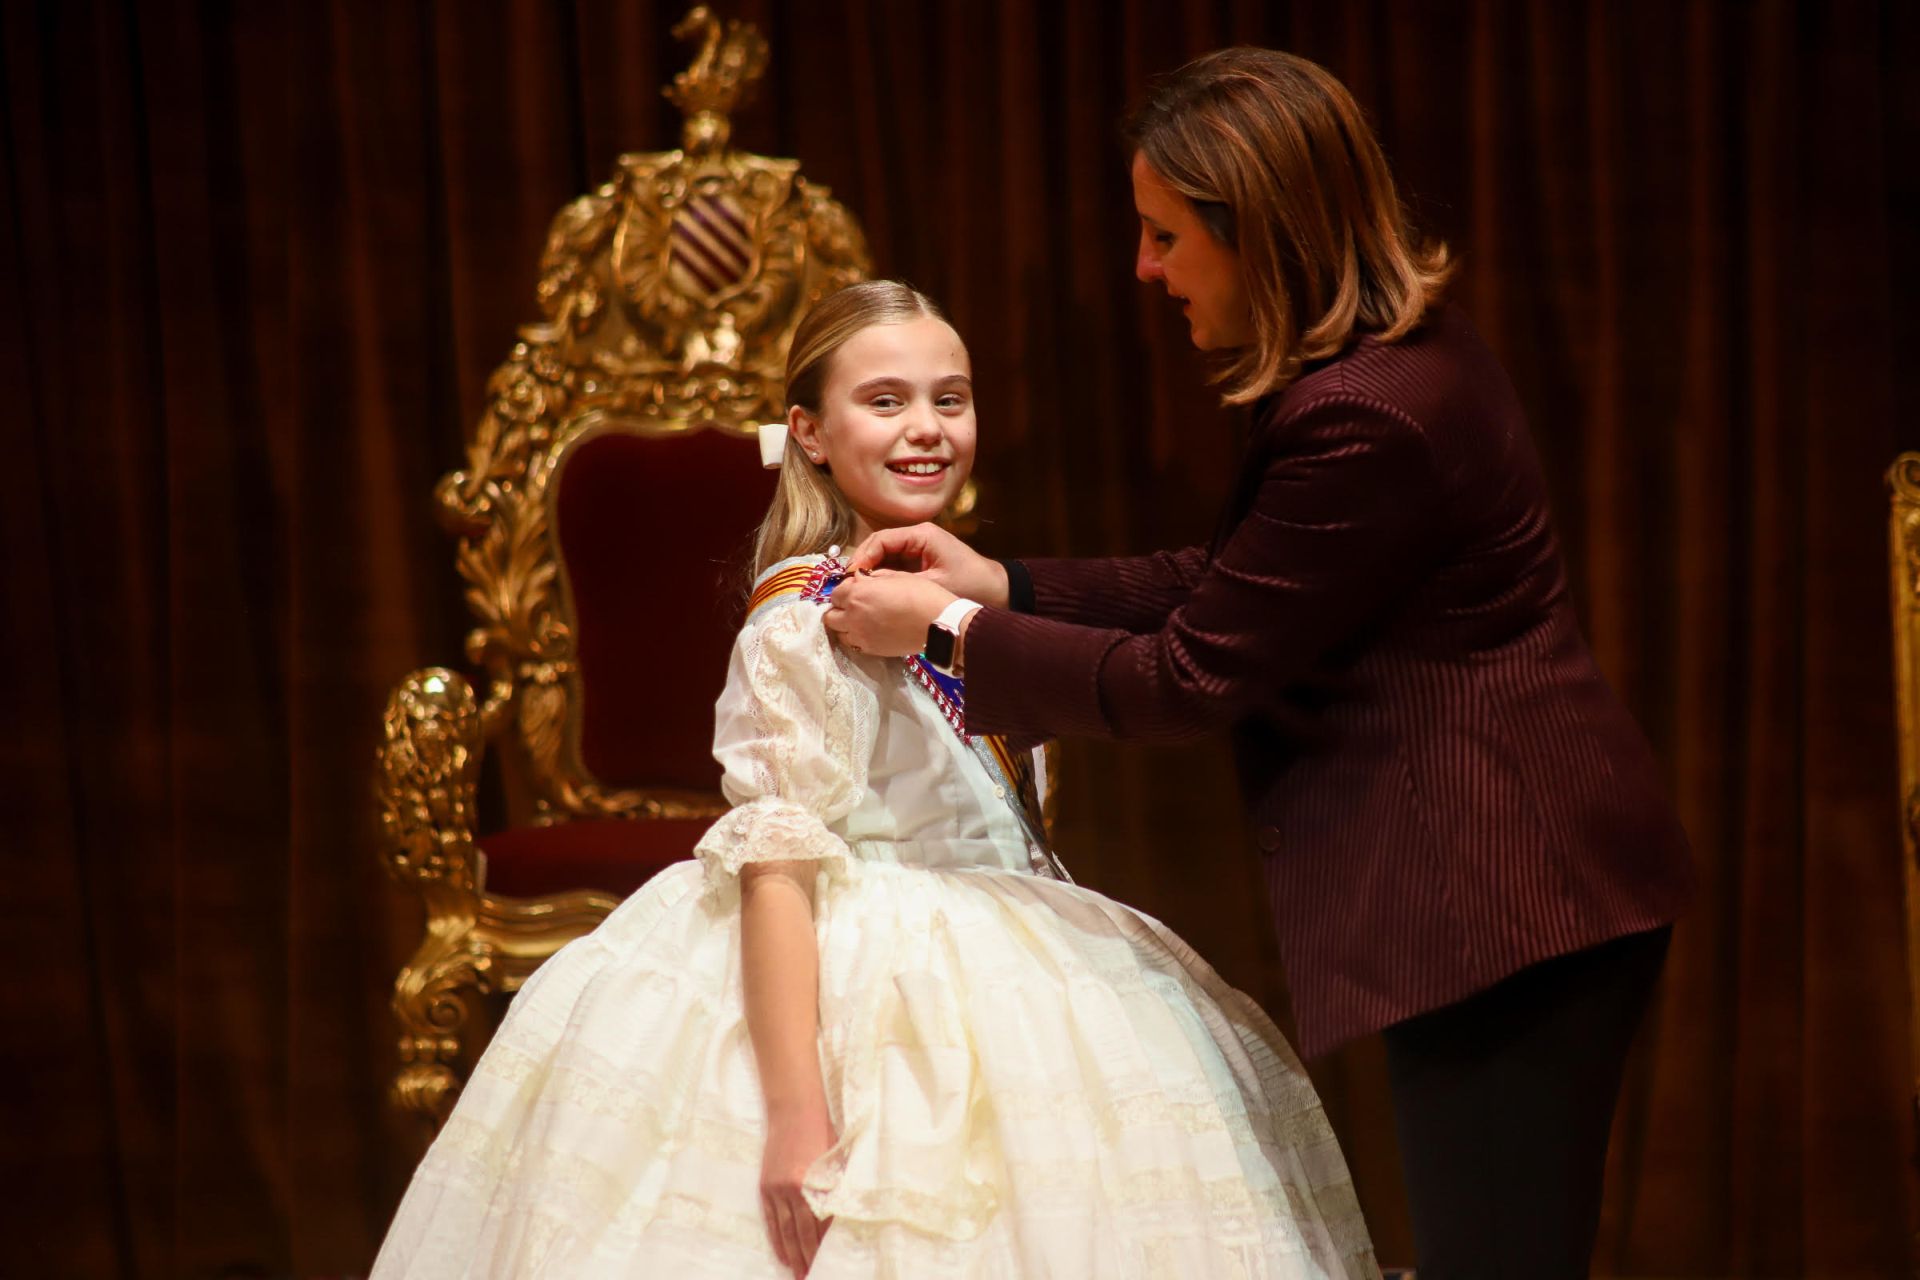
(794, 735)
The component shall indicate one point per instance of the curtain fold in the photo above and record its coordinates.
(261, 259)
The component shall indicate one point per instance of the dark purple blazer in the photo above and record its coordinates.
(1442, 785)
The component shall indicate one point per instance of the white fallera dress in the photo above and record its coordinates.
(1025, 1078)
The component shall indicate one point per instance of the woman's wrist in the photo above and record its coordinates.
(960, 642)
(1000, 585)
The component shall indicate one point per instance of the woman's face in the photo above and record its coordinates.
(895, 426)
(1177, 250)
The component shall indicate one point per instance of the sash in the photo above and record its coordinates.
(1012, 772)
(795, 580)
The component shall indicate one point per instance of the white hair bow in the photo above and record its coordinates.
(773, 444)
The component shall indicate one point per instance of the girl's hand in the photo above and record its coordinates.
(928, 549)
(885, 614)
(794, 1142)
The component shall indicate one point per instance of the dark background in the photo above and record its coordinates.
(259, 259)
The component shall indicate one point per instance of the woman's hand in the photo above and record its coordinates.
(794, 1141)
(930, 550)
(886, 614)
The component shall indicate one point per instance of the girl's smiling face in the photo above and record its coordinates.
(895, 427)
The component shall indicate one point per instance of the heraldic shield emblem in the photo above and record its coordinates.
(712, 248)
(679, 283)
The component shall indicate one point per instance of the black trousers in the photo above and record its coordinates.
(1503, 1103)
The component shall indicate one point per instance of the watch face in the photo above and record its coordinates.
(939, 647)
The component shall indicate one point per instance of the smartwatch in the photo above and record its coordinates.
(944, 631)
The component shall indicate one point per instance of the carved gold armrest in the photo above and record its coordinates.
(429, 768)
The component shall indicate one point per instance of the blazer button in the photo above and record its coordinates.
(1268, 838)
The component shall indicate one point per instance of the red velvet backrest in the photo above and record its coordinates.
(655, 534)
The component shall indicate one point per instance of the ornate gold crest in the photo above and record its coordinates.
(686, 275)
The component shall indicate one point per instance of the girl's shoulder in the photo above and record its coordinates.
(794, 579)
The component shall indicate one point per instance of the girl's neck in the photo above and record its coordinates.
(864, 528)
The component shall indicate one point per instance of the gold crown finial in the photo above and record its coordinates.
(724, 71)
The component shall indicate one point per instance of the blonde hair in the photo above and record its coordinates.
(1282, 167)
(809, 513)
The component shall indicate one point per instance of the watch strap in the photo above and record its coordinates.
(956, 613)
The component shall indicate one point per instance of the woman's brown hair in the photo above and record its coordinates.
(1282, 167)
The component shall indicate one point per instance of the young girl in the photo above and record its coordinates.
(873, 1031)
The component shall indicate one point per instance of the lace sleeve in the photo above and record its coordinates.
(793, 740)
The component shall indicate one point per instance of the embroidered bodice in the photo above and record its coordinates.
(829, 754)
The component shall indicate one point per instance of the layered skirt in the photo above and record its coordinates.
(1024, 1077)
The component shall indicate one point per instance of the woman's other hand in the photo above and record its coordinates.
(886, 614)
(794, 1141)
(930, 550)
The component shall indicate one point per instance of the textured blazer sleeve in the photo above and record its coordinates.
(1345, 517)
(1131, 593)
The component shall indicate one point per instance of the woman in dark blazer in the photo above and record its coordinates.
(1466, 843)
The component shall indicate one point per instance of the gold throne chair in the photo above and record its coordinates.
(603, 520)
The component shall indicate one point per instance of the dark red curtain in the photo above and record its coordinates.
(260, 258)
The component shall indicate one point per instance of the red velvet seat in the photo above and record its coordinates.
(655, 537)
(613, 854)
(653, 534)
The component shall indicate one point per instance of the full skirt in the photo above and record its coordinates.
(1025, 1079)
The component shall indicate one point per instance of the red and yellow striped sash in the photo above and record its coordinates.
(790, 581)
